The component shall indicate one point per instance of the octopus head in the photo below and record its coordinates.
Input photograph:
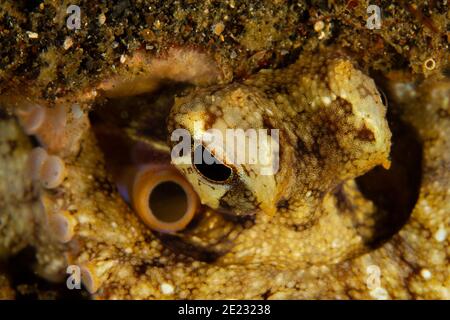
(223, 145)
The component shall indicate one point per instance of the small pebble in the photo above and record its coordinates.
(101, 19)
(32, 35)
(68, 43)
(218, 28)
(319, 25)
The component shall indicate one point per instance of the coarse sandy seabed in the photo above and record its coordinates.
(360, 206)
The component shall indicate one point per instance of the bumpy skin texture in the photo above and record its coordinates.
(301, 251)
(333, 129)
(23, 219)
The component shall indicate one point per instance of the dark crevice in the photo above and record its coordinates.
(4, 115)
(29, 286)
(28, 5)
(179, 245)
(145, 113)
(394, 192)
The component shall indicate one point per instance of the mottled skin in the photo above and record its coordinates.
(314, 239)
(22, 219)
(321, 145)
(310, 247)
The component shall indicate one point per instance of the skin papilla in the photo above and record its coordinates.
(358, 208)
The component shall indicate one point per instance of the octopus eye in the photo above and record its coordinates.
(163, 199)
(216, 171)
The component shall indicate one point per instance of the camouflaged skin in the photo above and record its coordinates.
(310, 246)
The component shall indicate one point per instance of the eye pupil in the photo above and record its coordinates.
(216, 171)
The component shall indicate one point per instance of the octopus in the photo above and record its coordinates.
(357, 208)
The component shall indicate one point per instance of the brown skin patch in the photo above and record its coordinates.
(365, 134)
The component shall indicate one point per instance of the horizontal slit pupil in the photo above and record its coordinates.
(214, 171)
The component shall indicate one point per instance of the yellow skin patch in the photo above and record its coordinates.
(333, 129)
